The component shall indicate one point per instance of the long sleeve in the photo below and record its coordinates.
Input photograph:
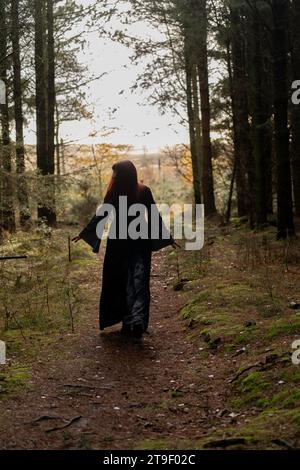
(163, 237)
(89, 233)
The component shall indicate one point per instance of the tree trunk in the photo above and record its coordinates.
(295, 112)
(234, 129)
(44, 105)
(197, 120)
(40, 96)
(240, 111)
(207, 170)
(192, 129)
(18, 114)
(260, 71)
(51, 109)
(280, 57)
(57, 143)
(7, 221)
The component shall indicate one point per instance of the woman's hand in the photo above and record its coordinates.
(76, 239)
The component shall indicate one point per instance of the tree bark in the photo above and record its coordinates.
(295, 111)
(197, 120)
(40, 95)
(280, 10)
(18, 114)
(239, 99)
(57, 142)
(207, 169)
(192, 132)
(51, 109)
(260, 71)
(7, 221)
(234, 129)
(44, 56)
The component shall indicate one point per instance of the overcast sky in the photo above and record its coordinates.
(138, 123)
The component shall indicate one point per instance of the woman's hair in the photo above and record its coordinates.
(123, 183)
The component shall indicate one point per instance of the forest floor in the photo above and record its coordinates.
(215, 370)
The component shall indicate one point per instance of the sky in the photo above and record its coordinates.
(137, 122)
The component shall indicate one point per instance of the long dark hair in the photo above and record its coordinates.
(123, 183)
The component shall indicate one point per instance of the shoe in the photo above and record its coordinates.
(137, 331)
(126, 331)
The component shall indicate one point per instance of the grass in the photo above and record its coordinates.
(37, 292)
(241, 299)
(252, 389)
(153, 444)
(13, 380)
(262, 430)
(284, 327)
(40, 297)
(166, 444)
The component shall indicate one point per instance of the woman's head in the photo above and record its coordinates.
(124, 182)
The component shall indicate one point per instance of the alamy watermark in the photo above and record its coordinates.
(136, 221)
(296, 353)
(2, 92)
(296, 93)
(2, 353)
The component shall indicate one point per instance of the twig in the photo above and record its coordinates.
(245, 370)
(4, 258)
(69, 423)
(70, 310)
(69, 249)
(225, 442)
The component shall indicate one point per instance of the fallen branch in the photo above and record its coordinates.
(79, 386)
(68, 424)
(269, 362)
(282, 443)
(42, 418)
(225, 442)
(90, 387)
(238, 375)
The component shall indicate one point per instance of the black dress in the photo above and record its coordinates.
(126, 272)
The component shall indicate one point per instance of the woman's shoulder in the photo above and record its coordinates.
(145, 190)
(143, 187)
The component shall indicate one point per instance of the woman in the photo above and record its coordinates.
(125, 293)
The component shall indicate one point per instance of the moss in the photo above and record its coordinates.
(244, 337)
(13, 380)
(291, 376)
(254, 382)
(224, 307)
(296, 417)
(287, 399)
(283, 327)
(192, 308)
(238, 304)
(177, 393)
(262, 429)
(263, 403)
(251, 390)
(153, 444)
(166, 444)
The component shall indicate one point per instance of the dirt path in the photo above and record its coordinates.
(101, 391)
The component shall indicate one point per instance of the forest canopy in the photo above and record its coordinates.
(227, 69)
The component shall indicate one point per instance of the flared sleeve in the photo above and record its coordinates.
(159, 235)
(89, 233)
